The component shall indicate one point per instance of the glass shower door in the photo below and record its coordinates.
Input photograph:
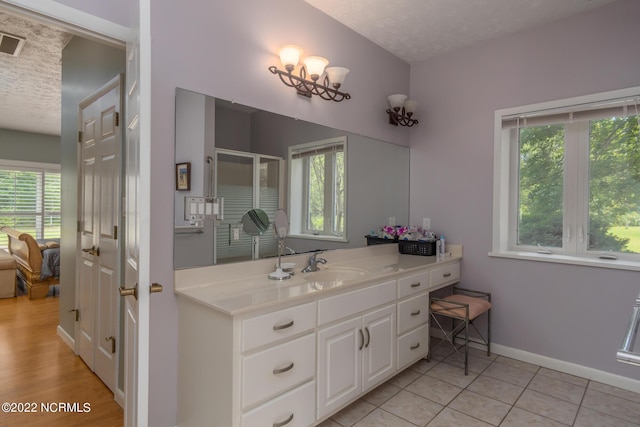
(245, 181)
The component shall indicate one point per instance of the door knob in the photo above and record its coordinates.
(92, 251)
(155, 287)
(125, 292)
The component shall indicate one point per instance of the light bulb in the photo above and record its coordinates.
(397, 101)
(337, 75)
(315, 66)
(289, 56)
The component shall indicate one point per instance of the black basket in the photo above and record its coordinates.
(374, 240)
(413, 247)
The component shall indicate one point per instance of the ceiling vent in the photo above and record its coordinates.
(11, 44)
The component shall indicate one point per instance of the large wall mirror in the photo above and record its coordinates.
(235, 158)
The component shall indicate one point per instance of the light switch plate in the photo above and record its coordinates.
(426, 223)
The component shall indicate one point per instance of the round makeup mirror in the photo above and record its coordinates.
(255, 222)
(281, 224)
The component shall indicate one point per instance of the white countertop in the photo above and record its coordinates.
(241, 287)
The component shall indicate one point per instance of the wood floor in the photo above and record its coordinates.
(39, 371)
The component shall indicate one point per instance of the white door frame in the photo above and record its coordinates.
(94, 27)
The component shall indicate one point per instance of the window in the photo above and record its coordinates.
(567, 180)
(317, 189)
(30, 199)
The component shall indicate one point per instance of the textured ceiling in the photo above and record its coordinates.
(30, 83)
(415, 30)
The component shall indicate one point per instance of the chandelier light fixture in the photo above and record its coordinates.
(401, 111)
(307, 81)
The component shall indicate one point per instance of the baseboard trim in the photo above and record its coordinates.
(568, 367)
(66, 338)
(119, 397)
(603, 377)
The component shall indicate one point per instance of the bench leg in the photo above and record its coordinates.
(37, 290)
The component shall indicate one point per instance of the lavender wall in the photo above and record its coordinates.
(223, 49)
(571, 313)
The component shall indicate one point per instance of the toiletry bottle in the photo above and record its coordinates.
(442, 246)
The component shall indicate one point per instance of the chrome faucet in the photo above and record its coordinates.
(313, 263)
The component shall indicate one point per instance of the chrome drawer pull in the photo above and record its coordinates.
(281, 327)
(413, 347)
(283, 370)
(446, 275)
(415, 285)
(415, 313)
(285, 422)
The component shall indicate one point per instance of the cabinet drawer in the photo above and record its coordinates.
(413, 312)
(413, 346)
(273, 327)
(351, 303)
(413, 284)
(272, 371)
(293, 409)
(445, 274)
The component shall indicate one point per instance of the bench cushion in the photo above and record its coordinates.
(7, 262)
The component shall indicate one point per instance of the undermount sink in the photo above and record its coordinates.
(335, 274)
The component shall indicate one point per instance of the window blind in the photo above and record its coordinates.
(316, 150)
(601, 110)
(30, 201)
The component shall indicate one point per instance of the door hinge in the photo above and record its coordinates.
(117, 119)
(79, 226)
(80, 136)
(115, 232)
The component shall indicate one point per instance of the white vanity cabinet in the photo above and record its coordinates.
(413, 310)
(251, 370)
(291, 355)
(358, 353)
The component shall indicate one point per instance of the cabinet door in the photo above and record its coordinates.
(339, 364)
(379, 352)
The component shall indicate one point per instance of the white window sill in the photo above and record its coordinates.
(616, 264)
(319, 237)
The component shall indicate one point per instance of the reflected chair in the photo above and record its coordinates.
(462, 307)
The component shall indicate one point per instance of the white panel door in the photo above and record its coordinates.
(98, 257)
(132, 243)
(137, 217)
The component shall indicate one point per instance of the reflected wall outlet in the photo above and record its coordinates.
(426, 223)
(392, 220)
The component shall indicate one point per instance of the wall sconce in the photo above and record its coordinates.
(401, 110)
(314, 67)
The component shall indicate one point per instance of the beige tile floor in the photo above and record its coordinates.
(498, 391)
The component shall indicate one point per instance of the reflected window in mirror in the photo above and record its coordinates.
(317, 189)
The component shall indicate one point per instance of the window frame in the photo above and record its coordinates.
(42, 169)
(298, 191)
(575, 175)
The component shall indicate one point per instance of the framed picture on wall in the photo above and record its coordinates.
(183, 176)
